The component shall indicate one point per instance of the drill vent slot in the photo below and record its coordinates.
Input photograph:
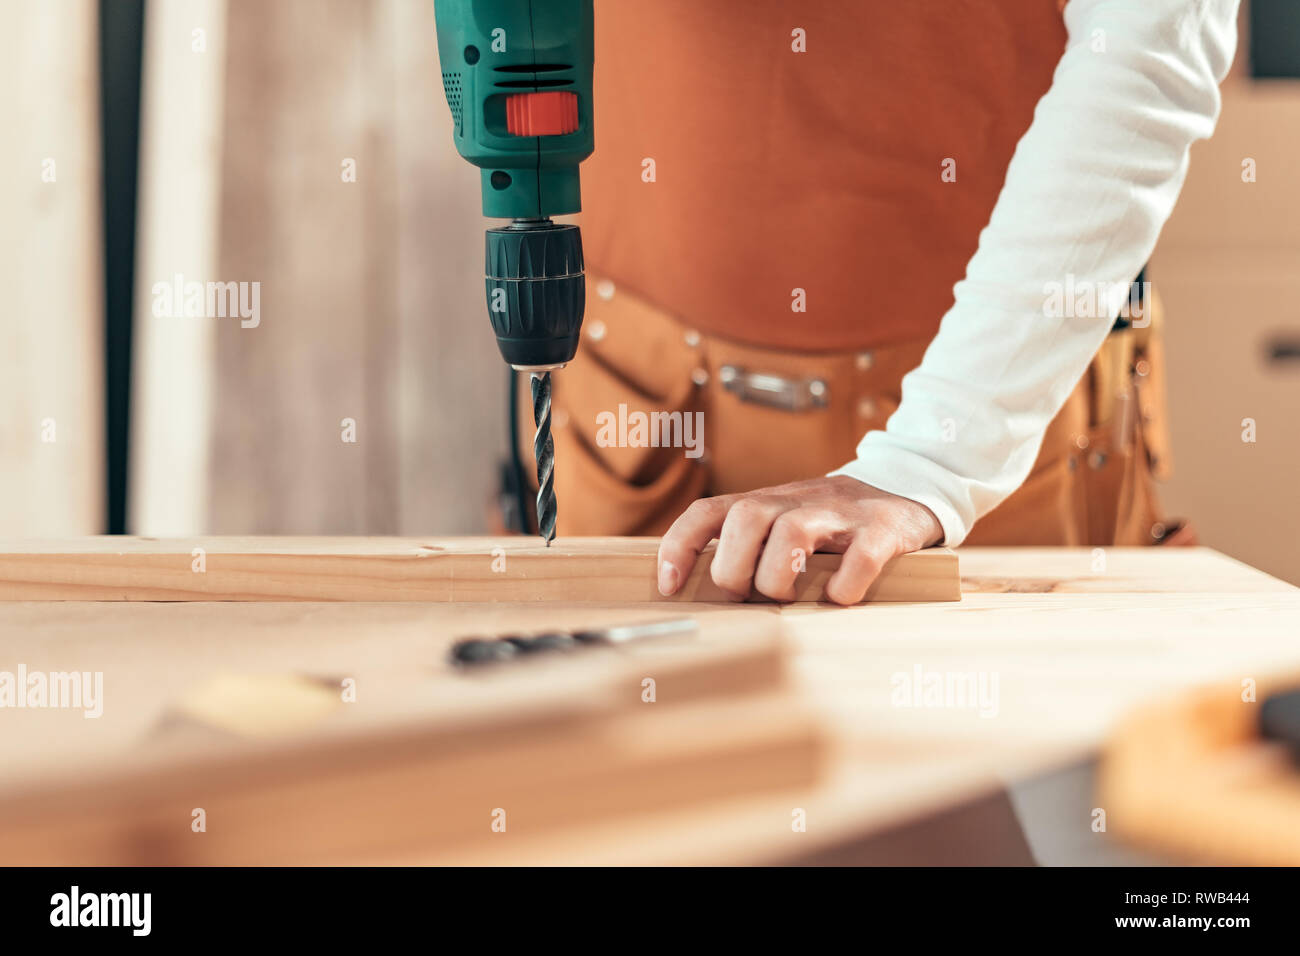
(534, 68)
(531, 84)
(451, 86)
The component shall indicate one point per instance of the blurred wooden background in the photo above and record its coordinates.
(51, 332)
(371, 291)
(1228, 269)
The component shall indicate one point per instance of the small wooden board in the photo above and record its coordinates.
(401, 569)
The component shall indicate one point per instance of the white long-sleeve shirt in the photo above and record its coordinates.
(1087, 191)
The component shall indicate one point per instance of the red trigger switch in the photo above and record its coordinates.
(542, 114)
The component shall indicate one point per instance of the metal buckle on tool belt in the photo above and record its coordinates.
(761, 388)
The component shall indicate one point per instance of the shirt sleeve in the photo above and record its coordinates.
(1087, 191)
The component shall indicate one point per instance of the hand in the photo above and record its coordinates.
(758, 533)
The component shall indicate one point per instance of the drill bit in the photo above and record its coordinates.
(544, 452)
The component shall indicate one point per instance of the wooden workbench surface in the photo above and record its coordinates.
(1075, 649)
(1070, 639)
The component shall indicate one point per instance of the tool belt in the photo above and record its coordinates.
(628, 413)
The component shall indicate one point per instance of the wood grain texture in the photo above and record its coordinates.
(555, 742)
(172, 410)
(309, 85)
(1073, 648)
(51, 333)
(372, 292)
(400, 569)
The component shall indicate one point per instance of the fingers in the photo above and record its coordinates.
(741, 541)
(681, 546)
(765, 539)
(764, 543)
(863, 559)
(789, 545)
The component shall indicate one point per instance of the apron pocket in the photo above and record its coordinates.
(592, 500)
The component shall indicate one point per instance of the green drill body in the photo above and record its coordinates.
(493, 49)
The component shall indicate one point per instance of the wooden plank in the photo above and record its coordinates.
(180, 181)
(158, 658)
(400, 569)
(305, 402)
(442, 355)
(51, 339)
(554, 741)
(329, 806)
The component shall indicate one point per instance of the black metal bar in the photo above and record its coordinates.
(121, 41)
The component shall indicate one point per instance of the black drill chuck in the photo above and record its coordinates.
(536, 291)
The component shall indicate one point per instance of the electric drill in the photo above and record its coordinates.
(517, 74)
